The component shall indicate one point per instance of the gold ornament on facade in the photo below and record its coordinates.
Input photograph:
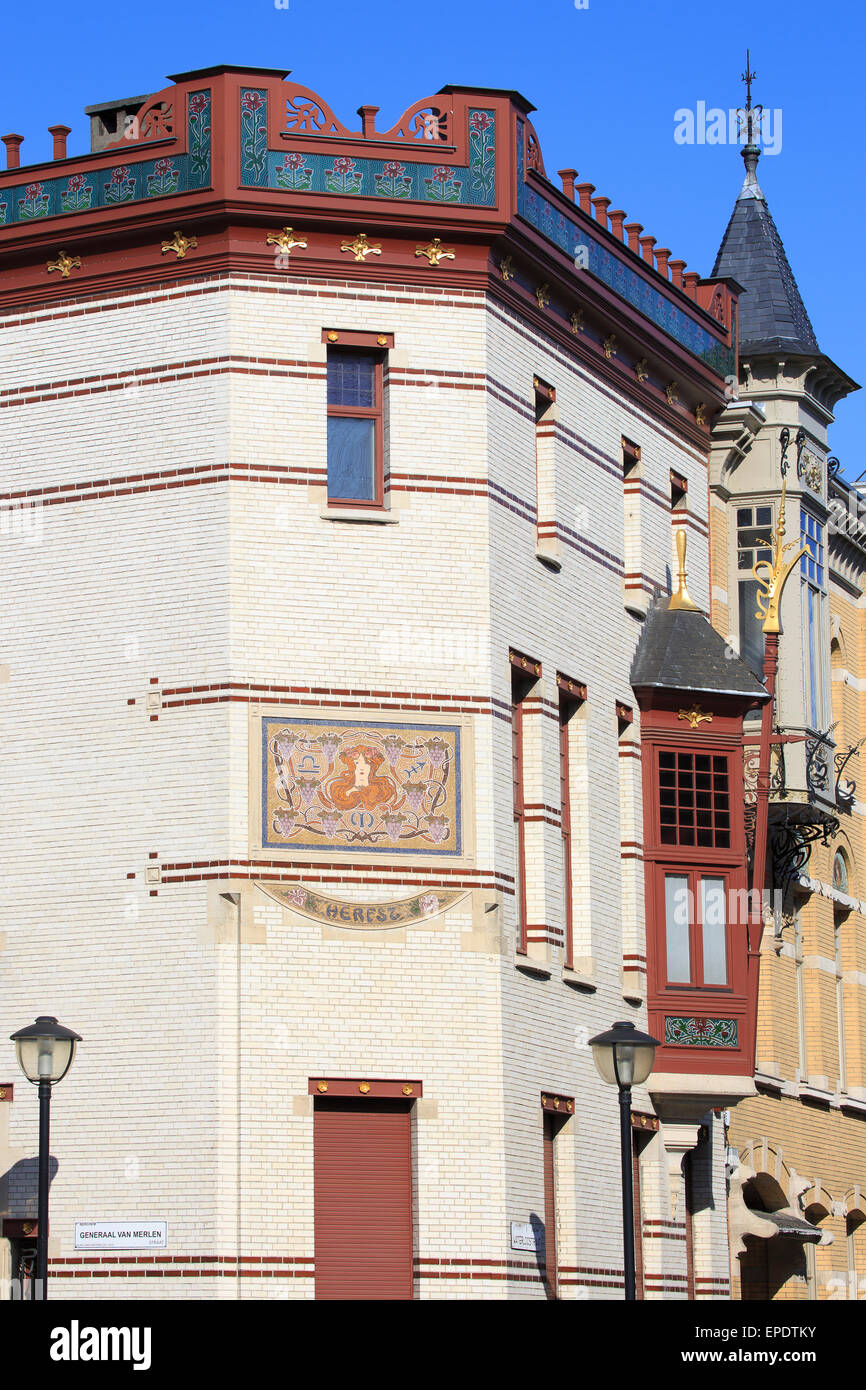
(577, 321)
(700, 413)
(695, 716)
(179, 244)
(322, 1087)
(608, 347)
(641, 370)
(772, 574)
(506, 268)
(64, 264)
(542, 295)
(671, 393)
(408, 1090)
(360, 247)
(364, 1088)
(680, 599)
(435, 251)
(286, 240)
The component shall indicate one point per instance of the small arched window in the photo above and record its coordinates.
(840, 872)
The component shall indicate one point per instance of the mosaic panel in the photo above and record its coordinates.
(119, 183)
(402, 180)
(701, 1032)
(361, 916)
(361, 786)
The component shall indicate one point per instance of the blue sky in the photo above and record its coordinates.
(606, 81)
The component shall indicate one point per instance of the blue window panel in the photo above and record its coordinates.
(812, 600)
(352, 459)
(812, 537)
(351, 379)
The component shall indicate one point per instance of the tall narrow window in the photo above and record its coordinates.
(812, 580)
(802, 1058)
(635, 593)
(570, 696)
(524, 674)
(754, 525)
(518, 692)
(555, 1113)
(545, 473)
(355, 428)
(838, 919)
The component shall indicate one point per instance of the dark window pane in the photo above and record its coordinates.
(751, 636)
(352, 459)
(764, 516)
(351, 379)
(744, 516)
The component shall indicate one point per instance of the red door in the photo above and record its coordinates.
(363, 1199)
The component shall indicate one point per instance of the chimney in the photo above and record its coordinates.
(568, 176)
(662, 254)
(677, 268)
(585, 190)
(13, 144)
(617, 217)
(646, 246)
(59, 134)
(691, 279)
(634, 229)
(601, 206)
(110, 119)
(368, 121)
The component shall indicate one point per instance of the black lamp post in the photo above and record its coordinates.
(45, 1051)
(624, 1058)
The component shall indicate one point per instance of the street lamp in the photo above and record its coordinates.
(45, 1051)
(624, 1058)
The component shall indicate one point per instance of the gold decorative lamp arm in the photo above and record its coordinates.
(772, 575)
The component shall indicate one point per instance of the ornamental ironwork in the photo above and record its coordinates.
(818, 752)
(846, 790)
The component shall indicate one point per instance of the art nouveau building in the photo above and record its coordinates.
(799, 1178)
(357, 767)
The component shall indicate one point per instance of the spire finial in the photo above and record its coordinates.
(750, 122)
(681, 598)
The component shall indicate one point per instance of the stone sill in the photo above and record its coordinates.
(532, 965)
(548, 557)
(579, 979)
(358, 514)
(818, 1093)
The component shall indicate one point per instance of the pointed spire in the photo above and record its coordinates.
(772, 316)
(750, 121)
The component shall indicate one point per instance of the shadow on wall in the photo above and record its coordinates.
(537, 1225)
(19, 1188)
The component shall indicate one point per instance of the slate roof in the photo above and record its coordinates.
(773, 317)
(679, 650)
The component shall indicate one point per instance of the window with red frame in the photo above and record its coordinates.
(697, 945)
(694, 799)
(355, 428)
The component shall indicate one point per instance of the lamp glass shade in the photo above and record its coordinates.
(623, 1056)
(45, 1050)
